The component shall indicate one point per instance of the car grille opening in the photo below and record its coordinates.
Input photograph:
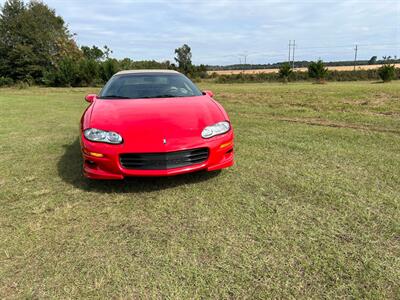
(163, 161)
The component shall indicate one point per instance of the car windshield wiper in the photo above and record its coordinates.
(114, 97)
(163, 96)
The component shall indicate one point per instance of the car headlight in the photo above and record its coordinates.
(216, 129)
(97, 135)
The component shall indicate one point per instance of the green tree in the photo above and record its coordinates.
(200, 71)
(317, 71)
(285, 70)
(66, 74)
(387, 72)
(33, 40)
(89, 72)
(107, 51)
(184, 59)
(372, 60)
(93, 53)
(108, 68)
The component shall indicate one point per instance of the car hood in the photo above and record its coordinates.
(145, 123)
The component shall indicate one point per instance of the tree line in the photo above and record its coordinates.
(316, 71)
(36, 47)
(319, 72)
(305, 63)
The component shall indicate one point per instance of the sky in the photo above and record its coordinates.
(222, 32)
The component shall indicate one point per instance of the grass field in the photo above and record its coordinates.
(332, 68)
(310, 210)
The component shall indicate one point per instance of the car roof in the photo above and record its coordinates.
(127, 72)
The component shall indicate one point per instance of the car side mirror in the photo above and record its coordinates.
(89, 98)
(209, 93)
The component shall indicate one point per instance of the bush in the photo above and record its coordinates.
(89, 71)
(22, 85)
(66, 74)
(317, 71)
(260, 77)
(387, 72)
(108, 69)
(301, 76)
(5, 81)
(285, 70)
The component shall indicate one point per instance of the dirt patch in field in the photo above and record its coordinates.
(377, 99)
(327, 123)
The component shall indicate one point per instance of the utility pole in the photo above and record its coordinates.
(355, 56)
(244, 55)
(290, 45)
(294, 46)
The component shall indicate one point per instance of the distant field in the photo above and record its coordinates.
(310, 210)
(338, 68)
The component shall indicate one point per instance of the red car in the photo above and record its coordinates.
(153, 123)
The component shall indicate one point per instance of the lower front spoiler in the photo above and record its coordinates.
(92, 168)
(100, 174)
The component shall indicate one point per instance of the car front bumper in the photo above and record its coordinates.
(102, 161)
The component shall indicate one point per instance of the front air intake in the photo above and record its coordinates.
(164, 160)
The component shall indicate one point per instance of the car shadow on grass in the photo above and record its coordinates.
(70, 170)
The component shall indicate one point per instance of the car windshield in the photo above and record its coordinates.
(145, 85)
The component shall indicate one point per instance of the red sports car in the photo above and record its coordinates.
(153, 123)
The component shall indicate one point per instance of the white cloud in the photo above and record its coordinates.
(219, 30)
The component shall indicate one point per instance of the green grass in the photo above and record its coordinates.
(310, 210)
